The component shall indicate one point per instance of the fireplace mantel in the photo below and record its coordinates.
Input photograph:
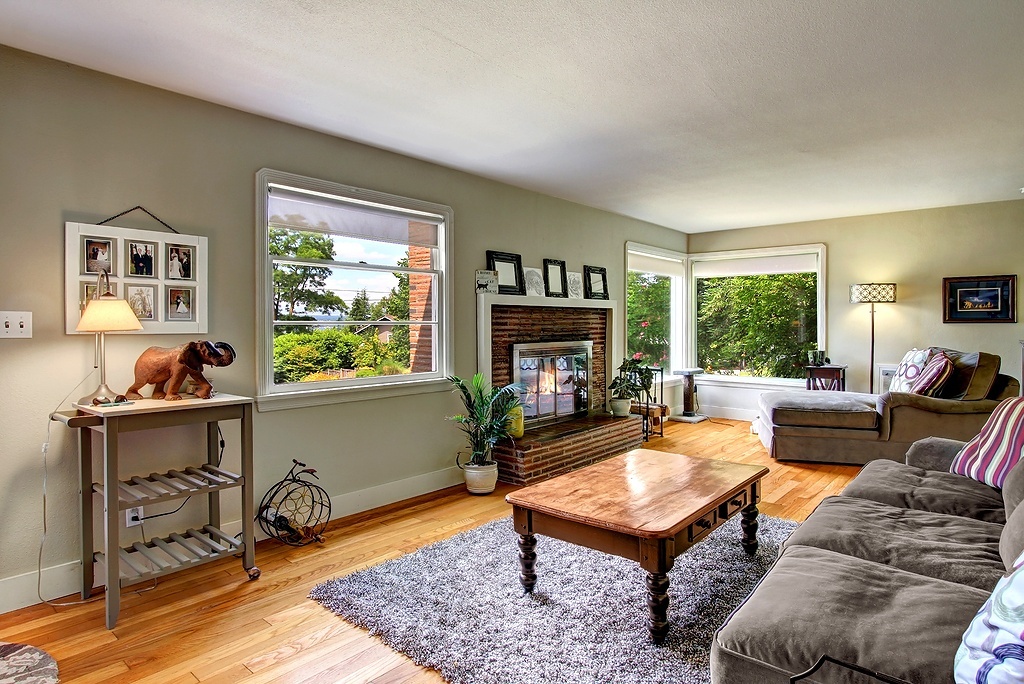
(484, 302)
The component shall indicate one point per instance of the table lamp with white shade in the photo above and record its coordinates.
(105, 313)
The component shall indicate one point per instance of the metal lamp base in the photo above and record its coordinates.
(103, 393)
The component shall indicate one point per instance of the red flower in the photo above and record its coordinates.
(638, 356)
(644, 324)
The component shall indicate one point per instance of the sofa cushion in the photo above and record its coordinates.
(905, 486)
(992, 649)
(909, 369)
(994, 451)
(815, 601)
(820, 409)
(946, 547)
(933, 376)
(974, 374)
(1013, 488)
(1011, 541)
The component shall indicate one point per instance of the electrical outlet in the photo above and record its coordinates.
(15, 324)
(133, 516)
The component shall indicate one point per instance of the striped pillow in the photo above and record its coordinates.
(933, 375)
(997, 448)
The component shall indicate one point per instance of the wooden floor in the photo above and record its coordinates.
(211, 625)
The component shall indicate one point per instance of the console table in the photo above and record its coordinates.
(828, 377)
(147, 560)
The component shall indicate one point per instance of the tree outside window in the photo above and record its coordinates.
(648, 317)
(757, 325)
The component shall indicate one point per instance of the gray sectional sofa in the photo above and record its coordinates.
(852, 427)
(886, 576)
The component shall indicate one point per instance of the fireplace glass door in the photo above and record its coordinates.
(554, 380)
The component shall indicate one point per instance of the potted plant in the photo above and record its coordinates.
(489, 414)
(633, 382)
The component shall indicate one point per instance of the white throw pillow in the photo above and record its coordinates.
(909, 369)
(992, 650)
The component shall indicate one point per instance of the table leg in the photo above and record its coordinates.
(657, 606)
(749, 525)
(85, 507)
(111, 522)
(527, 561)
(248, 474)
(212, 456)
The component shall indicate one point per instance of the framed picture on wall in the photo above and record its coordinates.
(98, 254)
(143, 267)
(141, 259)
(980, 299)
(142, 299)
(181, 303)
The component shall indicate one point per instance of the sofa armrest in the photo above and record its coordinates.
(933, 453)
(891, 401)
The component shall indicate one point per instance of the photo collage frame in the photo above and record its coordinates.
(162, 276)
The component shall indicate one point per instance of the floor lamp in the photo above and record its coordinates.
(872, 293)
(105, 313)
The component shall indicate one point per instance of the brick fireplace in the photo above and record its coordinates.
(553, 449)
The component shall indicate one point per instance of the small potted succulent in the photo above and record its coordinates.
(633, 382)
(489, 417)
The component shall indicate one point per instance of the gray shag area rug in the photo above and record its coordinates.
(456, 606)
(21, 664)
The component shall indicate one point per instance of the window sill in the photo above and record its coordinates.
(748, 382)
(342, 395)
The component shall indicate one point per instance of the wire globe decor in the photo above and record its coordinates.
(295, 511)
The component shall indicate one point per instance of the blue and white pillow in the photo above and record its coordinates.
(992, 650)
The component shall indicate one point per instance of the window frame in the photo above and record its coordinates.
(818, 250)
(679, 352)
(271, 396)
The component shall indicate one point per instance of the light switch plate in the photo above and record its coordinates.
(15, 324)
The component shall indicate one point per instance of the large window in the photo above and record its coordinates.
(758, 312)
(352, 289)
(654, 306)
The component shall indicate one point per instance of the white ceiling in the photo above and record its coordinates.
(693, 114)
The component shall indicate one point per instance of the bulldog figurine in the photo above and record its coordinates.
(167, 367)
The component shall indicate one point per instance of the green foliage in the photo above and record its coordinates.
(760, 325)
(359, 309)
(302, 287)
(300, 355)
(648, 317)
(371, 351)
(633, 382)
(487, 418)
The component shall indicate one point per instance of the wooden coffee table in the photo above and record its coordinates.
(648, 506)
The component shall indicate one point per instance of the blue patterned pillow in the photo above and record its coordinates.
(992, 650)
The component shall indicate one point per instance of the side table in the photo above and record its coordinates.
(828, 377)
(147, 560)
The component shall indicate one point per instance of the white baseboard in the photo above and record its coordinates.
(720, 412)
(19, 591)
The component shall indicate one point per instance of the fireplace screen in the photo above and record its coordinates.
(555, 379)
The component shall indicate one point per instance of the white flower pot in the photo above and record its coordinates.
(620, 407)
(481, 479)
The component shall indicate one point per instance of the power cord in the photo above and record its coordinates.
(220, 459)
(42, 538)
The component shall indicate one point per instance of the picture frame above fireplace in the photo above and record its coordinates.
(510, 272)
(595, 282)
(556, 283)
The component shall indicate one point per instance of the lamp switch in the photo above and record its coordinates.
(15, 324)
